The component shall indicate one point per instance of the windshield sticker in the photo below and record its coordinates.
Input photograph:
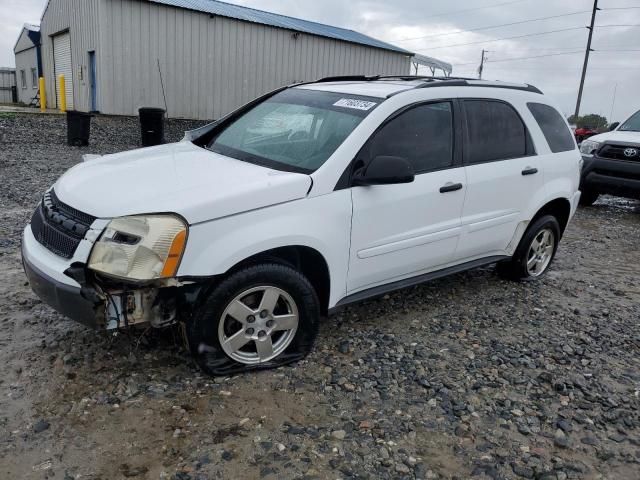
(353, 103)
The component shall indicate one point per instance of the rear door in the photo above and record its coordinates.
(403, 230)
(503, 174)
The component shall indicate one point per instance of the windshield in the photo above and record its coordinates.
(632, 124)
(295, 130)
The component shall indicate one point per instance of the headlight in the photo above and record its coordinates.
(142, 247)
(588, 147)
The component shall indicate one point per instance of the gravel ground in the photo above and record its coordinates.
(465, 377)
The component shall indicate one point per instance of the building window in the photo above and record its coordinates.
(34, 78)
(23, 78)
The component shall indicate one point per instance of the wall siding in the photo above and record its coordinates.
(81, 18)
(209, 65)
(26, 60)
(24, 42)
(7, 80)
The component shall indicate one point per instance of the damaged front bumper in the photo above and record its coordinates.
(65, 298)
(102, 304)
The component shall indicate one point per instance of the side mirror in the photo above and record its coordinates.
(613, 126)
(385, 170)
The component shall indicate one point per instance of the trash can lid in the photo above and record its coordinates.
(151, 110)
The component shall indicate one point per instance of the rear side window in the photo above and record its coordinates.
(553, 127)
(422, 135)
(494, 132)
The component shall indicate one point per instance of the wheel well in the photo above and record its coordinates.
(559, 208)
(304, 259)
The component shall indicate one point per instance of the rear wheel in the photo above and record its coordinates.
(535, 252)
(263, 316)
(588, 198)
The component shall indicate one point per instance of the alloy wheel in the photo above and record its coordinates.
(540, 252)
(258, 325)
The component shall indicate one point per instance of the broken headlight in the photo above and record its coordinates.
(143, 247)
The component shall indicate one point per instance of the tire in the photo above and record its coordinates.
(588, 198)
(519, 268)
(236, 324)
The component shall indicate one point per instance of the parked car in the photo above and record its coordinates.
(612, 162)
(248, 235)
(585, 132)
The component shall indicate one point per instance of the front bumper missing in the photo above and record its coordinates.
(100, 303)
(64, 298)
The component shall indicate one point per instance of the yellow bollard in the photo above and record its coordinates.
(63, 94)
(43, 96)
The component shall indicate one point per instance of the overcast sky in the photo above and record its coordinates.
(615, 61)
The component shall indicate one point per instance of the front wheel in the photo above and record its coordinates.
(535, 252)
(263, 316)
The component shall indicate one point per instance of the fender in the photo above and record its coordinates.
(322, 223)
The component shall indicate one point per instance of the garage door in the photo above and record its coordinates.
(62, 66)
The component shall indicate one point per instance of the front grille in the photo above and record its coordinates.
(616, 152)
(59, 227)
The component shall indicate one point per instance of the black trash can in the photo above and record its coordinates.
(151, 126)
(78, 128)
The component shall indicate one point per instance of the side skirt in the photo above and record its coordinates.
(411, 281)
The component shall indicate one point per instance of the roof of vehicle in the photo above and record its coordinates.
(253, 15)
(387, 86)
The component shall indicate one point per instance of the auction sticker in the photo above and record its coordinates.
(353, 103)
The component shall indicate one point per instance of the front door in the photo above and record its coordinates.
(92, 81)
(403, 230)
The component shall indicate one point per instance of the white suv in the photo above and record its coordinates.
(303, 201)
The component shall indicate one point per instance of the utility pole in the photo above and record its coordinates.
(481, 67)
(613, 102)
(586, 57)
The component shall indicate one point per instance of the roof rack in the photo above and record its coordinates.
(346, 78)
(428, 82)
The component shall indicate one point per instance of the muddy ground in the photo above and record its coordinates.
(465, 377)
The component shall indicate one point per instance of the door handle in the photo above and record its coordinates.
(529, 171)
(450, 187)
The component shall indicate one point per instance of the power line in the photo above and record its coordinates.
(621, 25)
(618, 8)
(491, 26)
(473, 9)
(507, 38)
(614, 50)
(543, 55)
(518, 58)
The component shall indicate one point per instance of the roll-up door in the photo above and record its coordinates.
(62, 66)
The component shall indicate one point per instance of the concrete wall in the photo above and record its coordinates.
(26, 60)
(82, 19)
(209, 65)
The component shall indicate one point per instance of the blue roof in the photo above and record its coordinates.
(222, 9)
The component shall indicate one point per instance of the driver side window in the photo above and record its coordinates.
(422, 135)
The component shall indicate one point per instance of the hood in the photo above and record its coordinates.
(617, 136)
(180, 178)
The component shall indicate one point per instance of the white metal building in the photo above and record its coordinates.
(7, 83)
(28, 65)
(204, 56)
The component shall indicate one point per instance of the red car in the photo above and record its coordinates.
(584, 132)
